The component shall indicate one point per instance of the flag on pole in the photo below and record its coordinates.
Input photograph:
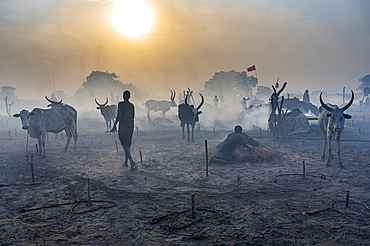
(252, 68)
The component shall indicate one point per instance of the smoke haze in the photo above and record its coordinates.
(312, 45)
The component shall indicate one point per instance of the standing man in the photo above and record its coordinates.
(306, 97)
(215, 102)
(125, 117)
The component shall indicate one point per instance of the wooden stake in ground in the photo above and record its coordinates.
(347, 200)
(304, 169)
(9, 135)
(141, 158)
(32, 173)
(193, 206)
(205, 143)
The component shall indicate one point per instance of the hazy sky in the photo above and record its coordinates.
(311, 44)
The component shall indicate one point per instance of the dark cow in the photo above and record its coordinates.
(40, 121)
(189, 115)
(163, 105)
(331, 121)
(109, 112)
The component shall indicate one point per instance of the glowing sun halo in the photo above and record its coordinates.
(133, 17)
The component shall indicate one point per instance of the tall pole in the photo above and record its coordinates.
(344, 95)
(255, 70)
(54, 81)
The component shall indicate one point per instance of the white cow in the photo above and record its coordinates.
(163, 106)
(331, 121)
(40, 121)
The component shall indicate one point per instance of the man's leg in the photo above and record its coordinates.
(128, 155)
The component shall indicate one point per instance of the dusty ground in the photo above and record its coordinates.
(238, 204)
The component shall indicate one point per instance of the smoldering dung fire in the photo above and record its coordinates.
(237, 203)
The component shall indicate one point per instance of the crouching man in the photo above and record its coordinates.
(228, 146)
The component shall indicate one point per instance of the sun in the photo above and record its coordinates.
(133, 17)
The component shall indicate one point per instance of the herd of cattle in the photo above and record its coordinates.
(63, 117)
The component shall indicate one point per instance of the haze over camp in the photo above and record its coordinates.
(316, 44)
(183, 122)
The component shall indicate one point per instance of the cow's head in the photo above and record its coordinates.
(101, 106)
(336, 115)
(54, 104)
(196, 111)
(173, 94)
(25, 118)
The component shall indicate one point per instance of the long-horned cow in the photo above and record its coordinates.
(188, 115)
(109, 112)
(331, 121)
(40, 121)
(163, 105)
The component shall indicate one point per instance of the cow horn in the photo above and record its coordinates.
(273, 87)
(201, 103)
(324, 105)
(186, 99)
(171, 95)
(50, 101)
(174, 95)
(100, 105)
(282, 88)
(349, 103)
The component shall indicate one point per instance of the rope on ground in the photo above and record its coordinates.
(175, 214)
(15, 183)
(299, 174)
(316, 211)
(76, 203)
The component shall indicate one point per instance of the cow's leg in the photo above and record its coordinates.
(43, 140)
(148, 114)
(328, 137)
(40, 146)
(337, 140)
(106, 123)
(183, 132)
(192, 132)
(73, 131)
(69, 136)
(187, 125)
(324, 138)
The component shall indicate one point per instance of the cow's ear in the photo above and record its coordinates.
(328, 115)
(16, 115)
(32, 113)
(97, 107)
(347, 116)
(199, 112)
(49, 105)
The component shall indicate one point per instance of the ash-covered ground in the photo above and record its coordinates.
(238, 204)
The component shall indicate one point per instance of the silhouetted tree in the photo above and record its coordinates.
(364, 82)
(100, 85)
(232, 85)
